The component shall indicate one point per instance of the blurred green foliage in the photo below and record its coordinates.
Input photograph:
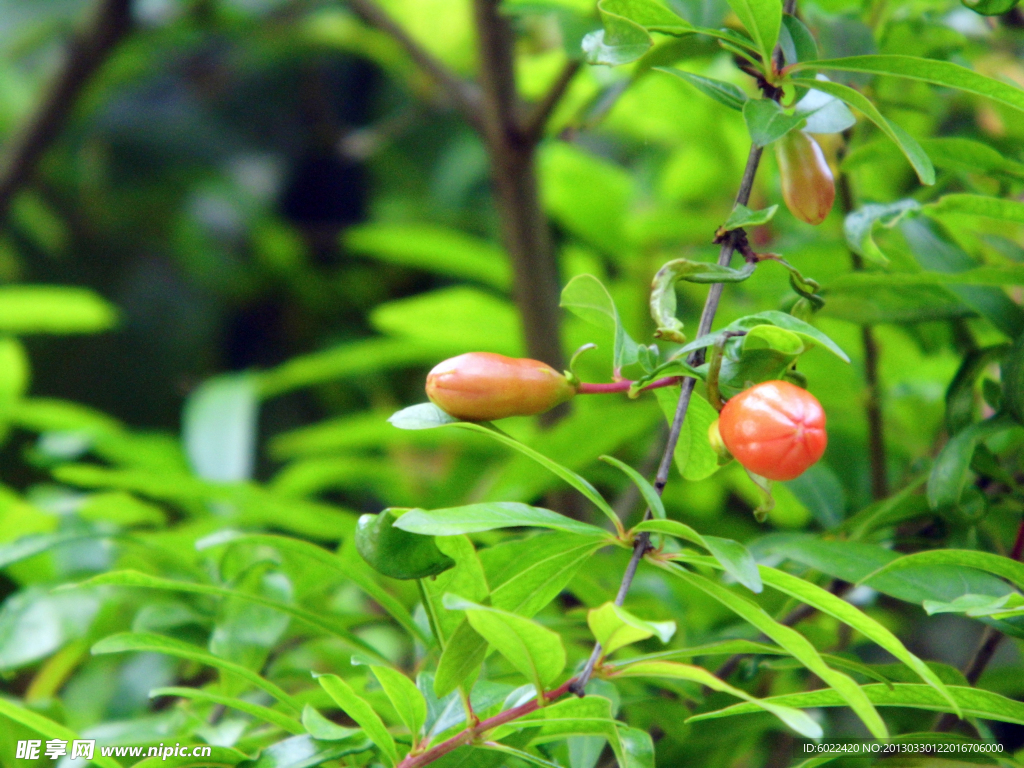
(263, 225)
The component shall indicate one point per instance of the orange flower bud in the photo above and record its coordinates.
(481, 386)
(807, 185)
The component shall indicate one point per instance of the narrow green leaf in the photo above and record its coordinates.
(771, 317)
(266, 714)
(60, 309)
(219, 757)
(950, 471)
(322, 729)
(405, 697)
(357, 572)
(973, 702)
(834, 606)
(587, 298)
(978, 205)
(918, 158)
(148, 642)
(429, 416)
(1013, 380)
(794, 718)
(742, 216)
(650, 495)
(353, 705)
(46, 727)
(321, 621)
(767, 122)
(762, 19)
(932, 71)
(793, 642)
(733, 556)
(615, 627)
(473, 518)
(719, 90)
(533, 650)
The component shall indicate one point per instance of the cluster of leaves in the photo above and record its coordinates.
(168, 588)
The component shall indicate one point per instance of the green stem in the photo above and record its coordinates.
(428, 606)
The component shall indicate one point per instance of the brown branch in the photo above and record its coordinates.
(536, 122)
(524, 227)
(873, 401)
(476, 732)
(86, 52)
(643, 541)
(463, 95)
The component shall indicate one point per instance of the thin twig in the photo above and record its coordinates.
(86, 53)
(463, 95)
(536, 121)
(873, 401)
(643, 541)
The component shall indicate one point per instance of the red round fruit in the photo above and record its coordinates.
(481, 386)
(775, 429)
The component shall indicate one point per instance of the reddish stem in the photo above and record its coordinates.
(472, 734)
(1018, 545)
(586, 388)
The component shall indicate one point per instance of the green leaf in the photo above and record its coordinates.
(778, 319)
(762, 19)
(219, 428)
(794, 718)
(405, 697)
(973, 702)
(473, 518)
(61, 309)
(734, 558)
(694, 456)
(793, 642)
(650, 495)
(825, 113)
(590, 301)
(855, 561)
(854, 282)
(304, 752)
(950, 471)
(767, 122)
(219, 757)
(998, 208)
(359, 710)
(742, 216)
(971, 156)
(942, 73)
(355, 571)
(266, 714)
(533, 650)
(148, 642)
(918, 158)
(620, 42)
(935, 252)
(798, 44)
(615, 628)
(393, 551)
(321, 621)
(977, 606)
(429, 416)
(663, 293)
(834, 606)
(859, 226)
(47, 728)
(1013, 380)
(719, 90)
(322, 729)
(434, 249)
